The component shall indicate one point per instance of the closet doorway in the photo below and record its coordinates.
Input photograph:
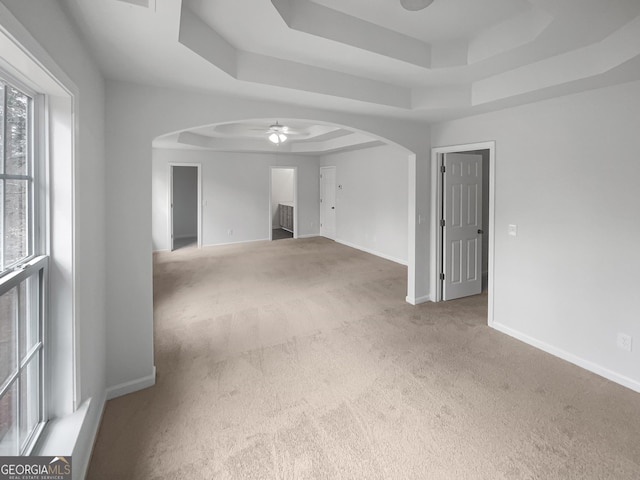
(185, 228)
(283, 203)
(463, 179)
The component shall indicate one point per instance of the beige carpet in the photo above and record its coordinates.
(300, 359)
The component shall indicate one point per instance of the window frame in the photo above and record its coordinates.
(36, 263)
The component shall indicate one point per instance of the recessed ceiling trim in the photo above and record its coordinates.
(311, 18)
(252, 67)
(572, 66)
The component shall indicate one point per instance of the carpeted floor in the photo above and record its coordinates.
(299, 359)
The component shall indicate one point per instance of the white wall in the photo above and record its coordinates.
(371, 200)
(83, 279)
(567, 175)
(185, 202)
(235, 194)
(281, 191)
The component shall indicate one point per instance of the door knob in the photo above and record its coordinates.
(480, 232)
(333, 208)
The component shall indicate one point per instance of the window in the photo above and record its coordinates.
(23, 273)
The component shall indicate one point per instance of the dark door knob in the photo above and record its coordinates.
(480, 232)
(333, 208)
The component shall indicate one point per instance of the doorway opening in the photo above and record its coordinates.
(283, 199)
(463, 179)
(185, 206)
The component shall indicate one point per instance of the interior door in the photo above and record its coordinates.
(328, 202)
(462, 229)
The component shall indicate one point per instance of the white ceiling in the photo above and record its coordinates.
(454, 58)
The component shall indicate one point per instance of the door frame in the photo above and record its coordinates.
(335, 178)
(198, 166)
(295, 198)
(435, 289)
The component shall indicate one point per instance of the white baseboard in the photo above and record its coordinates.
(308, 235)
(237, 243)
(569, 357)
(372, 252)
(132, 386)
(418, 300)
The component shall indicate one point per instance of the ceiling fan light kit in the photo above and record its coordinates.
(277, 138)
(414, 5)
(276, 133)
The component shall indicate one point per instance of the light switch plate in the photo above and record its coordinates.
(513, 230)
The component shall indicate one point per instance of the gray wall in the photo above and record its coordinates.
(235, 194)
(372, 205)
(185, 202)
(566, 173)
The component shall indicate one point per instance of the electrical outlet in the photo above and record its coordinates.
(625, 342)
(513, 230)
(230, 232)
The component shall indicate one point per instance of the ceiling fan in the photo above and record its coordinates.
(278, 134)
(415, 5)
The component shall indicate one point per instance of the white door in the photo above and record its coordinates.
(462, 230)
(328, 202)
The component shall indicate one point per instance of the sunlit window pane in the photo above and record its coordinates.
(29, 325)
(8, 340)
(8, 421)
(29, 399)
(16, 220)
(17, 132)
(2, 92)
(21, 316)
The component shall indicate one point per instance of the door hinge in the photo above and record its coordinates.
(320, 200)
(442, 222)
(442, 276)
(443, 169)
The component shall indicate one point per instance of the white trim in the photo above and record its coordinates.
(412, 213)
(238, 242)
(295, 198)
(419, 300)
(569, 357)
(436, 204)
(233, 243)
(88, 435)
(198, 166)
(70, 435)
(132, 386)
(41, 72)
(372, 252)
(309, 235)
